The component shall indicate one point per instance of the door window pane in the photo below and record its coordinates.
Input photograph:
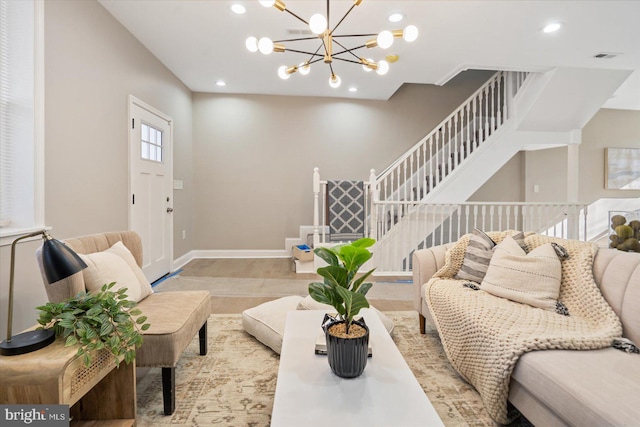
(151, 143)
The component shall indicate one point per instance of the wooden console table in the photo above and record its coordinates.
(100, 394)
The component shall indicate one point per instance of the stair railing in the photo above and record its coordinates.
(424, 166)
(430, 224)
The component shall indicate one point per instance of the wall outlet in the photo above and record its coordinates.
(184, 234)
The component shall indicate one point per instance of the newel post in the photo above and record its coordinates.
(375, 198)
(316, 208)
(510, 90)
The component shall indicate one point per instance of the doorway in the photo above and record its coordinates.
(150, 185)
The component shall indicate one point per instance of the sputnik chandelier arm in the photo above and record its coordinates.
(319, 25)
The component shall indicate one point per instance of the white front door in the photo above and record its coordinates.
(150, 186)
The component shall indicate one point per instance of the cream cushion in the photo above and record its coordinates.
(309, 303)
(532, 279)
(115, 265)
(121, 250)
(266, 321)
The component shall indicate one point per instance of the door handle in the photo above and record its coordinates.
(169, 210)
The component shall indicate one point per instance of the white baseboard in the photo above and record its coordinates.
(228, 253)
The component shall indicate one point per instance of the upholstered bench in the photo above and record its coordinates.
(175, 317)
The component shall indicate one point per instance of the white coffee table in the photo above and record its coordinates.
(309, 394)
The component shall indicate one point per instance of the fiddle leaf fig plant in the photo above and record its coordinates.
(96, 321)
(341, 289)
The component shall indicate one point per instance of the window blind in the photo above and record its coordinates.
(17, 29)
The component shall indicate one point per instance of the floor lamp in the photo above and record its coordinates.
(58, 262)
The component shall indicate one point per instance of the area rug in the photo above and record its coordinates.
(234, 384)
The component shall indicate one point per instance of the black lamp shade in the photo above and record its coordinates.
(59, 261)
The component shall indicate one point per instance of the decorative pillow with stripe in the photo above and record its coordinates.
(532, 278)
(477, 257)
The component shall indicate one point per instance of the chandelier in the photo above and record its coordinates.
(332, 45)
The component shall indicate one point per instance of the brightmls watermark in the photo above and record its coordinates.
(34, 415)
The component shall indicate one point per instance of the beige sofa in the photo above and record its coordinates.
(568, 387)
(175, 317)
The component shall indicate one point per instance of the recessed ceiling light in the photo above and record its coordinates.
(552, 27)
(396, 17)
(238, 8)
(353, 89)
(220, 83)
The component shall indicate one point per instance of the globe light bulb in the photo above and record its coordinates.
(334, 81)
(282, 72)
(317, 24)
(251, 44)
(265, 45)
(385, 39)
(410, 33)
(304, 68)
(267, 3)
(383, 68)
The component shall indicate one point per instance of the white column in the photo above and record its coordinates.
(573, 158)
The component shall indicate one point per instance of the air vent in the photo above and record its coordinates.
(605, 55)
(299, 32)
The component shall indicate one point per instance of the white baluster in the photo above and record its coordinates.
(431, 182)
(486, 113)
(373, 188)
(436, 171)
(324, 212)
(467, 143)
(316, 208)
(404, 178)
(455, 140)
(484, 216)
(491, 216)
(492, 90)
(447, 170)
(475, 216)
(466, 221)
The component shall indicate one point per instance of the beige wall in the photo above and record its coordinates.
(254, 155)
(92, 64)
(608, 128)
(506, 185)
(548, 168)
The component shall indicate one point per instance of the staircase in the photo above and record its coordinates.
(423, 193)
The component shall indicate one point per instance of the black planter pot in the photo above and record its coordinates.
(347, 356)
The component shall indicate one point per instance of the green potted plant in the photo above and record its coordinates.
(347, 339)
(96, 321)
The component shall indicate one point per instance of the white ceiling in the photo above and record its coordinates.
(202, 41)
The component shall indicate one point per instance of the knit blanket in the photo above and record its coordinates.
(484, 335)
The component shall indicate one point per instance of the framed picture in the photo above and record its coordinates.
(622, 168)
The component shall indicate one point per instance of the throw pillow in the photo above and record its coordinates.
(532, 279)
(266, 321)
(104, 268)
(123, 252)
(116, 264)
(476, 257)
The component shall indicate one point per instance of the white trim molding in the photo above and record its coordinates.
(228, 253)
